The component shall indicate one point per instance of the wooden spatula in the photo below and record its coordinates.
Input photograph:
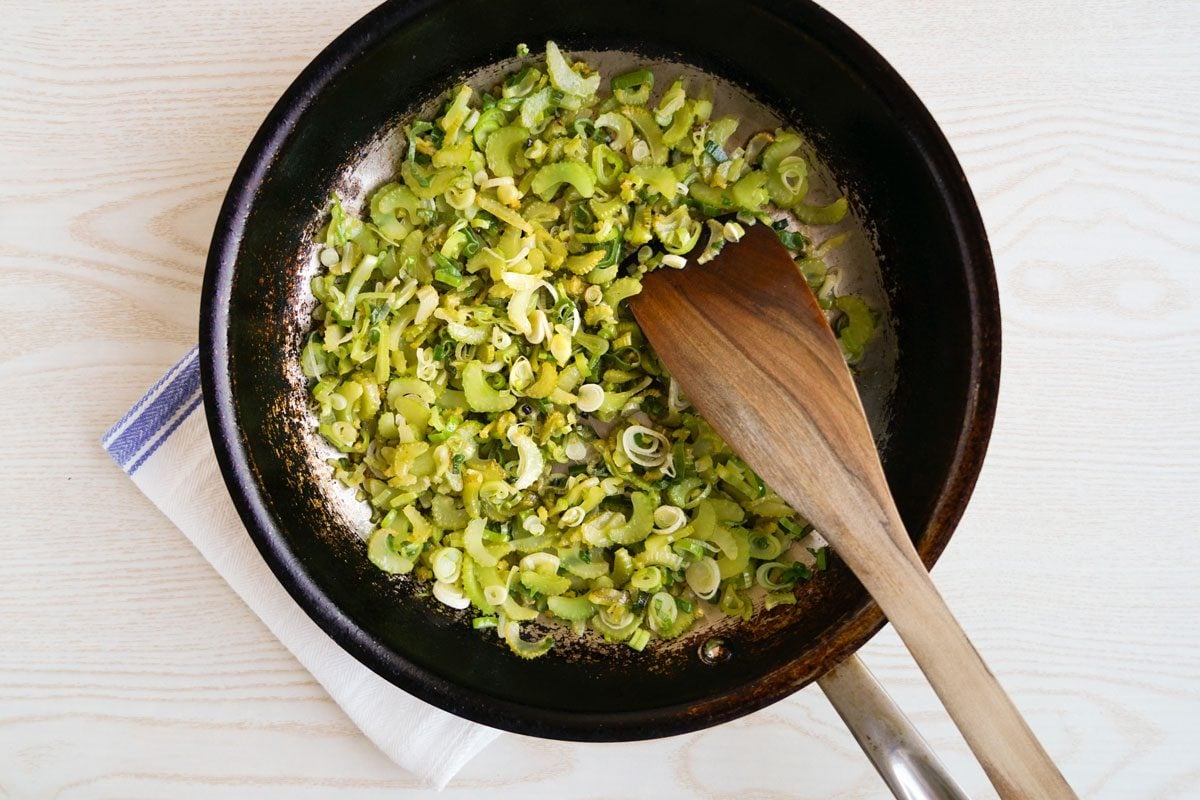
(752, 350)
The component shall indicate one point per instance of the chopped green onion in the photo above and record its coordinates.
(447, 272)
(793, 240)
(473, 324)
(822, 558)
(715, 152)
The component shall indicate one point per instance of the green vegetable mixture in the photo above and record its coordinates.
(520, 445)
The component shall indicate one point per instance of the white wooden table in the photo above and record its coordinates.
(127, 667)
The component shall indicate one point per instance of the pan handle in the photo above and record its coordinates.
(900, 754)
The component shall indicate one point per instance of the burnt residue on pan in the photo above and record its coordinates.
(919, 251)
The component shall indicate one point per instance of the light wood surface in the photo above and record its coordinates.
(127, 667)
(804, 431)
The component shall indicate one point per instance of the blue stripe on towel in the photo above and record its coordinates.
(150, 395)
(167, 432)
(156, 415)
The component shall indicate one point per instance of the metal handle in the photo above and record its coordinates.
(900, 754)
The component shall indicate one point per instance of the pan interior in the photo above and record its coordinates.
(855, 263)
(911, 253)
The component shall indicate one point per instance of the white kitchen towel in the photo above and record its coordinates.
(162, 444)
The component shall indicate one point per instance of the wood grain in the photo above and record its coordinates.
(128, 669)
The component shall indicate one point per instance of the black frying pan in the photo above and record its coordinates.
(879, 142)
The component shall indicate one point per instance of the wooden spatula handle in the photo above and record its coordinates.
(753, 351)
(1013, 758)
(825, 464)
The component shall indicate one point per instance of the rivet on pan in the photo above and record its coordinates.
(714, 651)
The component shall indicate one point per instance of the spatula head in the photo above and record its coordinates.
(752, 350)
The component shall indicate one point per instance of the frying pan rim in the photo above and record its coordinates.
(247, 496)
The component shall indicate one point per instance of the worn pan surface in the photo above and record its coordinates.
(932, 390)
